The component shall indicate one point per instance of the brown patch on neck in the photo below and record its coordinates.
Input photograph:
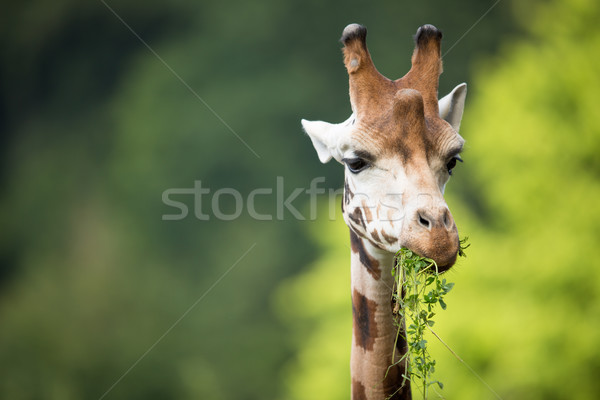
(370, 263)
(397, 391)
(397, 387)
(358, 390)
(363, 320)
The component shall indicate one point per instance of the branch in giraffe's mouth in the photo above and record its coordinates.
(418, 289)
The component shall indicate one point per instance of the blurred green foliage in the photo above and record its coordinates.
(94, 127)
(525, 311)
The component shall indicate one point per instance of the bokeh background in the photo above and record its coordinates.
(104, 105)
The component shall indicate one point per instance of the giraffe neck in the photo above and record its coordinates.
(373, 332)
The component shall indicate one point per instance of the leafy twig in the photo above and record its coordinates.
(418, 289)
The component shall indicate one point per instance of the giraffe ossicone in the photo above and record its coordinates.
(399, 147)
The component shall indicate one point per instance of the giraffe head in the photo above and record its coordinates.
(398, 147)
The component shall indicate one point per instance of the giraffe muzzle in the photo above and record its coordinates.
(434, 235)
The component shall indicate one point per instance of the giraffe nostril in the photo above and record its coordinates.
(424, 221)
(448, 222)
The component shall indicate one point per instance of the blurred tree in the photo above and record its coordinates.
(534, 265)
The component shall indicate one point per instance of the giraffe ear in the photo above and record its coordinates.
(325, 137)
(453, 104)
(320, 134)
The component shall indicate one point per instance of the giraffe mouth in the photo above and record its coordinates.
(445, 267)
(443, 264)
(441, 248)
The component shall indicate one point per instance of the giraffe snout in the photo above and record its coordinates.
(434, 235)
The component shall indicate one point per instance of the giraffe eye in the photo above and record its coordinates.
(355, 165)
(452, 163)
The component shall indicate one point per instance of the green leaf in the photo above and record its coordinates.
(442, 304)
(417, 305)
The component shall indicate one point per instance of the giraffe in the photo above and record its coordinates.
(399, 147)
